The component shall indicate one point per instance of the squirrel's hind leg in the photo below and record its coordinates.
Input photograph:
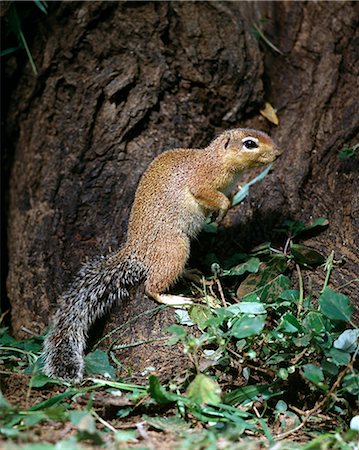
(168, 260)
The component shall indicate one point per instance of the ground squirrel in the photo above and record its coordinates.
(176, 194)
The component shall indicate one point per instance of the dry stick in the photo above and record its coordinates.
(269, 372)
(103, 421)
(298, 357)
(319, 404)
(224, 304)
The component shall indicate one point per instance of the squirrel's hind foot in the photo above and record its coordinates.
(171, 300)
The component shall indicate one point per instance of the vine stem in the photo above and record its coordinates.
(319, 405)
(328, 267)
(301, 290)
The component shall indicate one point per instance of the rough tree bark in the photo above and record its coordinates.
(121, 82)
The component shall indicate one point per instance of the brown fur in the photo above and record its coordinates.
(175, 195)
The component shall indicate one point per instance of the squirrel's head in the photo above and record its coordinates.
(243, 148)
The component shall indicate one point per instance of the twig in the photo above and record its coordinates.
(29, 331)
(103, 421)
(285, 250)
(356, 280)
(298, 357)
(319, 405)
(224, 304)
(138, 343)
(269, 372)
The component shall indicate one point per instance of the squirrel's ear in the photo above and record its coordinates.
(227, 142)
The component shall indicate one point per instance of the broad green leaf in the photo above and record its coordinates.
(351, 383)
(272, 291)
(335, 306)
(338, 357)
(97, 363)
(158, 392)
(281, 406)
(40, 380)
(247, 308)
(261, 282)
(252, 266)
(315, 375)
(315, 321)
(169, 423)
(290, 324)
(122, 436)
(347, 341)
(247, 326)
(291, 295)
(200, 314)
(306, 256)
(314, 227)
(178, 332)
(204, 390)
(83, 420)
(33, 419)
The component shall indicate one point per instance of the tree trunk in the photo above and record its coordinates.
(119, 82)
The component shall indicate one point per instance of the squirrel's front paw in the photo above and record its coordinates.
(64, 363)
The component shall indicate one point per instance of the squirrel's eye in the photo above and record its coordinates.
(250, 144)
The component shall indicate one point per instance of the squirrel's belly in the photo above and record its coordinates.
(192, 217)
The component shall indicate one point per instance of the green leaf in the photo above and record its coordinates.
(200, 314)
(351, 383)
(242, 194)
(291, 295)
(314, 321)
(158, 392)
(338, 357)
(306, 256)
(290, 324)
(8, 51)
(252, 266)
(281, 406)
(247, 326)
(123, 436)
(53, 400)
(347, 341)
(316, 226)
(173, 424)
(315, 375)
(267, 283)
(247, 308)
(178, 333)
(244, 393)
(97, 363)
(335, 306)
(204, 390)
(41, 5)
(40, 380)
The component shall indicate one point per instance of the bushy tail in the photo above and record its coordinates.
(97, 287)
